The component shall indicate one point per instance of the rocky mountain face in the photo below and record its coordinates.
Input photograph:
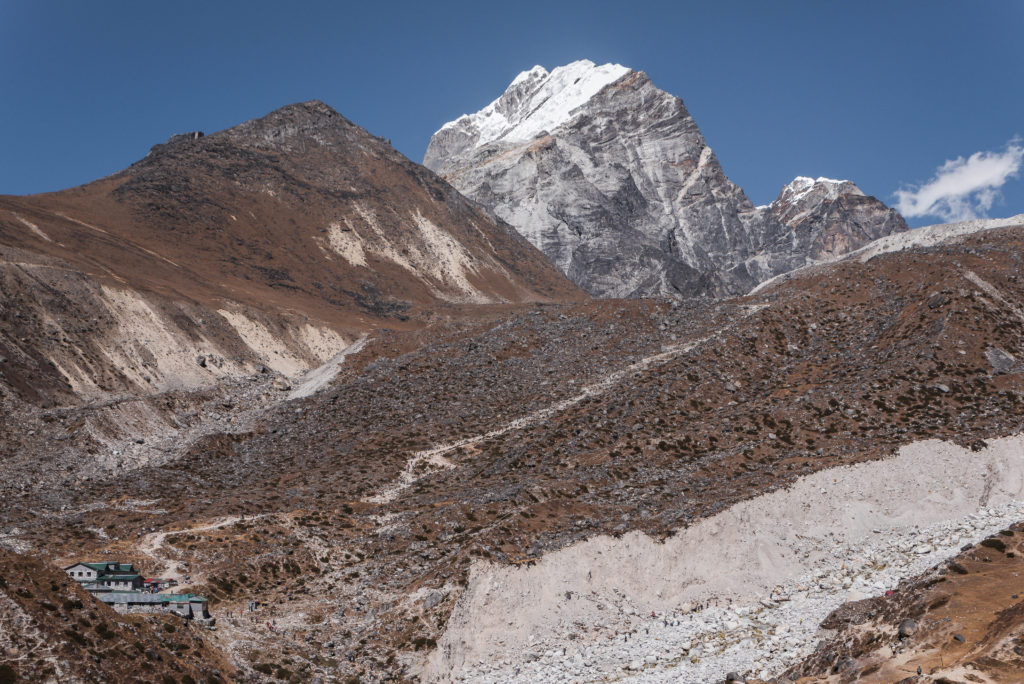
(611, 178)
(820, 220)
(271, 245)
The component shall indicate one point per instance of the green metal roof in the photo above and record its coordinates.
(119, 578)
(103, 567)
(180, 597)
(145, 596)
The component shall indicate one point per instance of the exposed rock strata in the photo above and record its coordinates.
(821, 220)
(611, 178)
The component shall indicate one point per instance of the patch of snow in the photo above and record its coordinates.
(801, 186)
(539, 101)
(536, 72)
(453, 123)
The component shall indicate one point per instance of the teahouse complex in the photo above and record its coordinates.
(120, 585)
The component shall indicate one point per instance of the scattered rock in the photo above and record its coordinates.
(1002, 362)
(433, 598)
(845, 664)
(994, 543)
(907, 628)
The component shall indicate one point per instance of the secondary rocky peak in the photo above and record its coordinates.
(310, 112)
(829, 188)
(819, 219)
(804, 195)
(292, 128)
(284, 234)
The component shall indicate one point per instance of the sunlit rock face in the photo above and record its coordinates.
(611, 178)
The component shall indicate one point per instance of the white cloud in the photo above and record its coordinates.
(963, 189)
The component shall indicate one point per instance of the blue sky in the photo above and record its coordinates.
(896, 96)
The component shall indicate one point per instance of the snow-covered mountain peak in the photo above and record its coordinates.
(803, 190)
(535, 101)
(536, 72)
(625, 196)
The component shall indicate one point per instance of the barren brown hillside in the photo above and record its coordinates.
(963, 621)
(358, 511)
(273, 243)
(52, 630)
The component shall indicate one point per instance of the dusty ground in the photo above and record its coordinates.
(569, 422)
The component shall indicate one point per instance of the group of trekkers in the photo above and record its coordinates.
(271, 624)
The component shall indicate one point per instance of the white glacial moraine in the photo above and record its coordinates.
(741, 591)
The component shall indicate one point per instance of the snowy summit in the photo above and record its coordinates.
(536, 101)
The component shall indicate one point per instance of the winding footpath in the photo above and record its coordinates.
(434, 458)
